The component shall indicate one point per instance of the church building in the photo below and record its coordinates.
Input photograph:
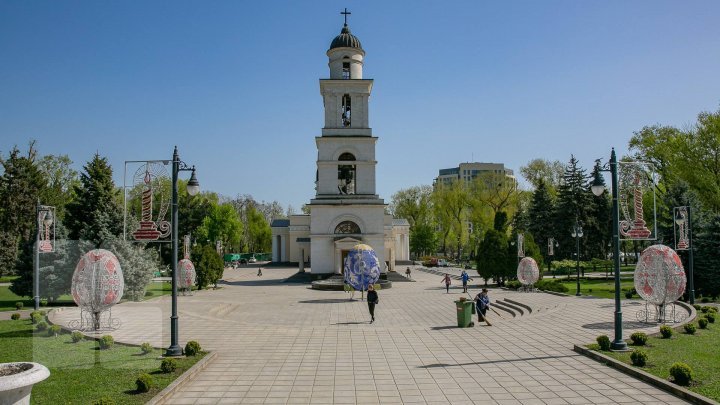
(346, 209)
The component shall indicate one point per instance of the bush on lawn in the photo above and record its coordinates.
(36, 316)
(106, 342)
(690, 328)
(43, 302)
(54, 330)
(104, 401)
(705, 309)
(144, 382)
(697, 307)
(705, 300)
(639, 338)
(192, 348)
(681, 373)
(19, 305)
(513, 284)
(168, 365)
(638, 357)
(76, 336)
(549, 284)
(149, 293)
(666, 332)
(710, 316)
(703, 322)
(41, 326)
(15, 316)
(146, 348)
(604, 342)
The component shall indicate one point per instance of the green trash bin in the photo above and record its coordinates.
(464, 313)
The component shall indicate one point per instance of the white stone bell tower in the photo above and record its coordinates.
(346, 209)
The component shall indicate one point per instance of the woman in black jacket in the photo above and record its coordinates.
(372, 299)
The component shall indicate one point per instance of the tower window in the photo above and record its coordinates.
(346, 174)
(346, 70)
(347, 227)
(345, 111)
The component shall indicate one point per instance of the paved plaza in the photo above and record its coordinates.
(286, 343)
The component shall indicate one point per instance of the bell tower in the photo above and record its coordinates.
(346, 206)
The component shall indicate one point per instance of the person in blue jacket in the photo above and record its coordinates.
(465, 277)
(482, 303)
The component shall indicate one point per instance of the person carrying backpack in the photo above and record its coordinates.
(465, 277)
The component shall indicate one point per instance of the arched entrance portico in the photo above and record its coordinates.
(342, 246)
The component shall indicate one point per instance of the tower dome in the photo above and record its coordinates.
(345, 39)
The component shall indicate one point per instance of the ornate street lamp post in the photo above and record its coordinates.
(577, 233)
(193, 187)
(598, 188)
(551, 252)
(44, 243)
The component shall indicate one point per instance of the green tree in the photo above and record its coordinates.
(450, 202)
(95, 214)
(209, 266)
(492, 255)
(572, 204)
(550, 173)
(62, 180)
(413, 204)
(598, 228)
(221, 224)
(138, 264)
(707, 261)
(423, 240)
(541, 214)
(21, 184)
(260, 235)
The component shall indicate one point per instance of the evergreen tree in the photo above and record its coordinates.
(707, 262)
(492, 256)
(95, 214)
(572, 205)
(21, 184)
(138, 264)
(541, 214)
(208, 266)
(500, 222)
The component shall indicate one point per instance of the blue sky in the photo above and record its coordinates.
(235, 83)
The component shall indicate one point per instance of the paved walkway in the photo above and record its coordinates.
(286, 343)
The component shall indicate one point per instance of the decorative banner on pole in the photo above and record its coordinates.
(46, 228)
(551, 247)
(148, 193)
(680, 228)
(219, 247)
(634, 179)
(521, 245)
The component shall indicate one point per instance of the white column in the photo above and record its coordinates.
(282, 248)
(275, 255)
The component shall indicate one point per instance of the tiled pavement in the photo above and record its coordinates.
(286, 343)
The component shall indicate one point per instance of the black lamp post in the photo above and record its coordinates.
(193, 187)
(598, 187)
(577, 233)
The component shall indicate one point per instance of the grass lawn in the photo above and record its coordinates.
(598, 288)
(8, 299)
(7, 279)
(79, 372)
(699, 351)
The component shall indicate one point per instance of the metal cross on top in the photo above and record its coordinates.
(345, 13)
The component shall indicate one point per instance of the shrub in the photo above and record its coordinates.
(703, 323)
(704, 309)
(76, 336)
(513, 284)
(106, 342)
(41, 326)
(666, 331)
(604, 342)
(146, 348)
(43, 302)
(712, 310)
(697, 307)
(168, 365)
(36, 316)
(104, 401)
(710, 316)
(192, 348)
(149, 293)
(690, 328)
(629, 294)
(681, 373)
(19, 305)
(54, 330)
(638, 357)
(42, 312)
(704, 300)
(144, 382)
(551, 285)
(639, 338)
(15, 316)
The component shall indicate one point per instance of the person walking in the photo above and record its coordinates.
(260, 272)
(372, 300)
(407, 273)
(482, 303)
(447, 282)
(465, 277)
